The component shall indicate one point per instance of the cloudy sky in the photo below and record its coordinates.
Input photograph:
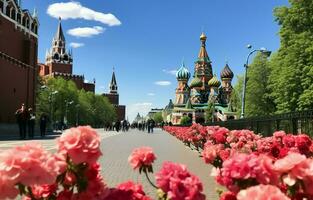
(146, 40)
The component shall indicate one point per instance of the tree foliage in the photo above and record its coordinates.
(291, 80)
(157, 117)
(258, 95)
(61, 100)
(185, 120)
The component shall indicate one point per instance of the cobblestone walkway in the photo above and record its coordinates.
(116, 150)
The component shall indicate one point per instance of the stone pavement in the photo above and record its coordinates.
(115, 167)
(48, 142)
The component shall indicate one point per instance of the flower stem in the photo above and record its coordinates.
(150, 180)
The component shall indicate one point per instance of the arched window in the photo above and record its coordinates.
(56, 56)
(65, 57)
(13, 14)
(1, 6)
(18, 18)
(36, 29)
(8, 11)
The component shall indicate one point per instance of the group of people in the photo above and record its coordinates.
(145, 125)
(123, 125)
(26, 120)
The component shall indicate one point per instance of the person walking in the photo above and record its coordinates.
(43, 124)
(31, 123)
(151, 125)
(21, 117)
(117, 126)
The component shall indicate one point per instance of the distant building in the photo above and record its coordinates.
(153, 111)
(113, 97)
(18, 58)
(193, 99)
(59, 63)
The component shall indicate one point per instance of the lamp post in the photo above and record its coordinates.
(77, 111)
(67, 103)
(266, 53)
(51, 106)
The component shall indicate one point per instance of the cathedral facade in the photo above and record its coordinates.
(59, 62)
(204, 90)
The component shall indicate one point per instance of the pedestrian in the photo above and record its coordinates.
(148, 125)
(124, 124)
(151, 125)
(21, 118)
(43, 124)
(117, 125)
(31, 123)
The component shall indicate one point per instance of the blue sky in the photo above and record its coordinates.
(147, 39)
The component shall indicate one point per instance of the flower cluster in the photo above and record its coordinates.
(73, 173)
(247, 164)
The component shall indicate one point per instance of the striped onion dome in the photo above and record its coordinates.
(214, 82)
(183, 73)
(227, 73)
(196, 82)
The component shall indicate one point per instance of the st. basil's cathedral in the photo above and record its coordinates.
(204, 90)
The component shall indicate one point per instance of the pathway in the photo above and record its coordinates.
(116, 150)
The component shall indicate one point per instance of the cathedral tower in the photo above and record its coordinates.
(182, 90)
(58, 59)
(203, 72)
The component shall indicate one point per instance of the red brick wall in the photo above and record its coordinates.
(17, 83)
(89, 87)
(60, 67)
(113, 98)
(120, 112)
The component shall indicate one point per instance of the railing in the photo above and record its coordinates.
(293, 122)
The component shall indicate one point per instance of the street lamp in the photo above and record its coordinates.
(77, 111)
(51, 106)
(67, 103)
(264, 52)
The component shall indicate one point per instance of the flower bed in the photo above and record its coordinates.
(73, 173)
(247, 164)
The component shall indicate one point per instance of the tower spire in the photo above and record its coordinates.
(59, 34)
(113, 84)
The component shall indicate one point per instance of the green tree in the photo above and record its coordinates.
(185, 120)
(258, 100)
(208, 112)
(157, 117)
(86, 107)
(236, 95)
(291, 79)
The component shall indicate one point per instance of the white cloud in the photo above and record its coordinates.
(74, 10)
(86, 81)
(86, 31)
(172, 72)
(163, 83)
(76, 45)
(151, 94)
(141, 108)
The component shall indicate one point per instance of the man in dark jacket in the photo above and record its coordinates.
(21, 117)
(43, 124)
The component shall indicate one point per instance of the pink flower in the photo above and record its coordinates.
(141, 157)
(82, 144)
(127, 191)
(228, 196)
(28, 165)
(262, 192)
(178, 183)
(287, 163)
(65, 195)
(44, 191)
(7, 188)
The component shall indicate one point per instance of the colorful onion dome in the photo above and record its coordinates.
(214, 82)
(227, 73)
(196, 82)
(202, 36)
(183, 73)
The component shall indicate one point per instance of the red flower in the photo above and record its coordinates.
(141, 157)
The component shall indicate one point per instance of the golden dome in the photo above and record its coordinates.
(202, 36)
